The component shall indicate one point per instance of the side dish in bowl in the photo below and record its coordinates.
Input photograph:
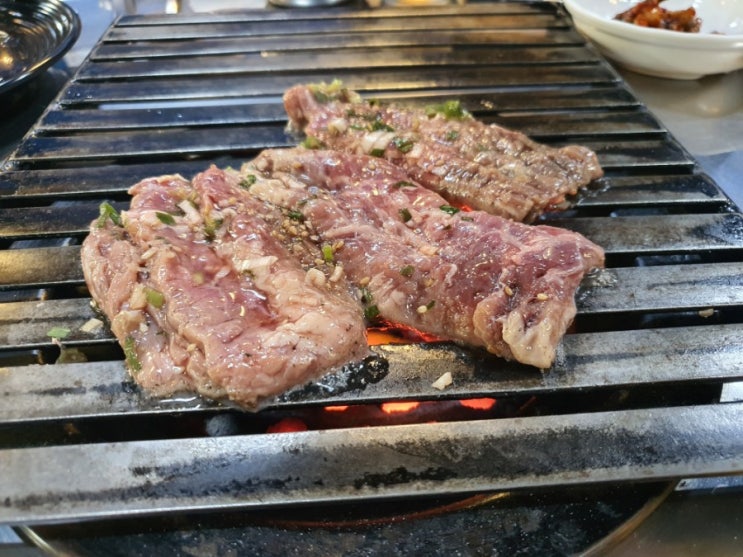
(679, 39)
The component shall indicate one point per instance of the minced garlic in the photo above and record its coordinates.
(337, 274)
(91, 325)
(443, 382)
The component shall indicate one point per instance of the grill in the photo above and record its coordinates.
(632, 403)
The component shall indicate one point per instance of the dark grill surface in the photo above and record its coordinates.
(634, 394)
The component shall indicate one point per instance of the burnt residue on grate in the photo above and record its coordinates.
(632, 396)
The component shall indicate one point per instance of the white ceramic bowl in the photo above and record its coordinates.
(717, 48)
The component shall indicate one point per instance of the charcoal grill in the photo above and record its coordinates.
(631, 405)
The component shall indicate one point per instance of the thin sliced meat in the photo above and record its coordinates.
(467, 276)
(115, 269)
(471, 164)
(208, 278)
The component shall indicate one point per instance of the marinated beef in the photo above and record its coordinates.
(444, 148)
(205, 290)
(468, 276)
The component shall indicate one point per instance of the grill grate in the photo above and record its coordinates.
(161, 95)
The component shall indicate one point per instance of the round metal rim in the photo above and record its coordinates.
(54, 11)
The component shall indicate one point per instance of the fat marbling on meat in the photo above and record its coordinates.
(444, 148)
(468, 276)
(208, 289)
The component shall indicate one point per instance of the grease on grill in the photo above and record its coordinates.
(351, 377)
(402, 475)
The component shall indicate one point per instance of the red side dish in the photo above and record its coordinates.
(649, 14)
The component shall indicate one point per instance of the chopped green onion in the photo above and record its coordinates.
(312, 143)
(449, 209)
(155, 298)
(210, 228)
(379, 125)
(451, 110)
(371, 312)
(165, 218)
(130, 355)
(407, 271)
(451, 135)
(321, 96)
(403, 145)
(106, 212)
(295, 215)
(58, 332)
(248, 181)
(430, 304)
(324, 93)
(403, 184)
(377, 152)
(327, 253)
(405, 215)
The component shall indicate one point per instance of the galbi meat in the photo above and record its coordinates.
(445, 149)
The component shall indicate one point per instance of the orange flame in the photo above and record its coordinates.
(399, 407)
(478, 403)
(287, 425)
(379, 337)
(394, 333)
